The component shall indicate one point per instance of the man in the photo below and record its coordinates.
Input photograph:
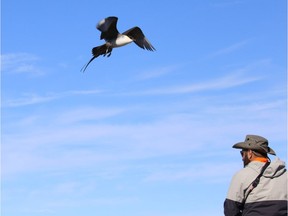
(267, 196)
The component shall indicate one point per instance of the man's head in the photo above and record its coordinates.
(254, 147)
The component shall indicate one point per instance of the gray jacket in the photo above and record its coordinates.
(269, 198)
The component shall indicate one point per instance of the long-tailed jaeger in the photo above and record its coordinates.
(114, 39)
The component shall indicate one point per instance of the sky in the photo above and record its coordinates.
(139, 133)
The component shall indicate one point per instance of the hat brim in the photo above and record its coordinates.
(245, 145)
(241, 145)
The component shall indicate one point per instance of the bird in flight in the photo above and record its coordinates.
(115, 39)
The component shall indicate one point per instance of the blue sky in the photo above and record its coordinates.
(139, 133)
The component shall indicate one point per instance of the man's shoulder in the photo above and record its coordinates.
(250, 170)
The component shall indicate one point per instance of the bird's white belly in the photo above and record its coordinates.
(121, 41)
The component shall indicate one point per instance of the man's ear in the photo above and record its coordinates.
(250, 154)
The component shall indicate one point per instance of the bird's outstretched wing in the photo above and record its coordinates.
(97, 51)
(139, 38)
(108, 28)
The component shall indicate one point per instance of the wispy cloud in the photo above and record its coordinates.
(231, 48)
(33, 98)
(18, 63)
(235, 79)
(225, 82)
(83, 114)
(28, 99)
(54, 140)
(187, 173)
(155, 73)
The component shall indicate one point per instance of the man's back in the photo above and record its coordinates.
(268, 198)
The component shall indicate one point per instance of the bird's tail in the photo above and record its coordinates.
(86, 65)
(96, 51)
(102, 50)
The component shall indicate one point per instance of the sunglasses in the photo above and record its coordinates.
(242, 152)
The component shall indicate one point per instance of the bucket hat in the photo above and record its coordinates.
(256, 143)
